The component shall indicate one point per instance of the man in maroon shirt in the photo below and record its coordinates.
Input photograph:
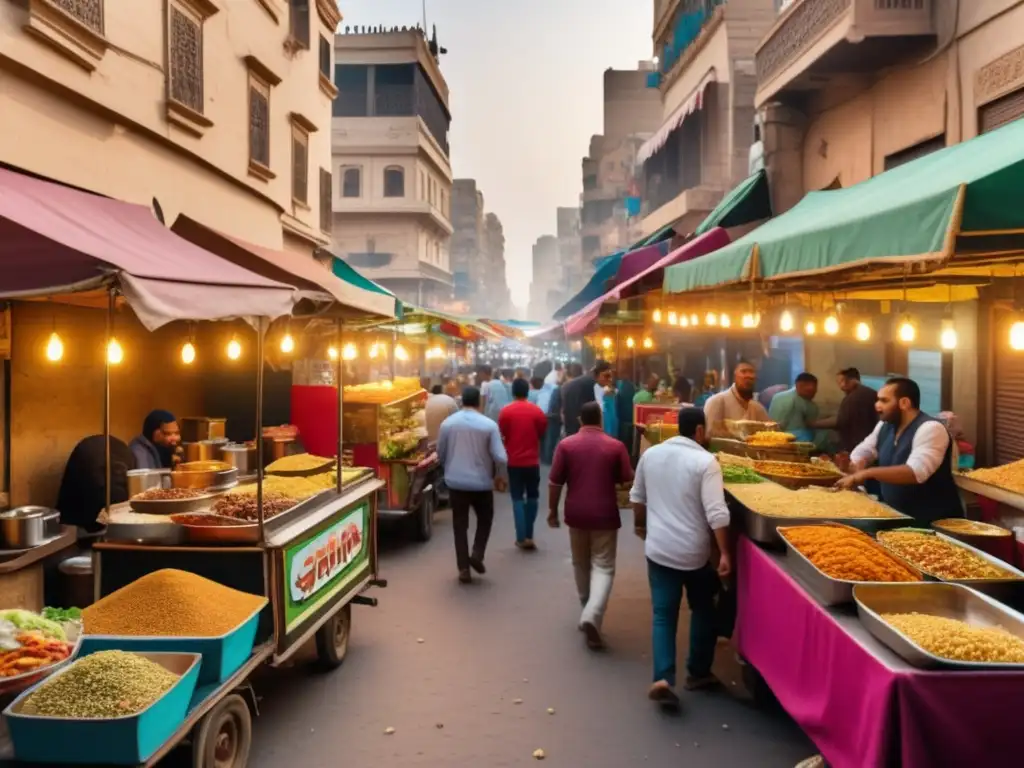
(591, 463)
(522, 425)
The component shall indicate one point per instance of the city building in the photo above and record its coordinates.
(220, 111)
(632, 112)
(706, 78)
(393, 179)
(497, 299)
(847, 90)
(469, 242)
(570, 249)
(546, 294)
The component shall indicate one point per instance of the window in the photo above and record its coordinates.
(394, 89)
(394, 182)
(326, 201)
(186, 59)
(325, 57)
(259, 123)
(897, 159)
(352, 82)
(351, 182)
(299, 22)
(300, 165)
(88, 12)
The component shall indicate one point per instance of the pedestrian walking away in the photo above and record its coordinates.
(474, 459)
(554, 431)
(678, 503)
(522, 426)
(590, 464)
(579, 390)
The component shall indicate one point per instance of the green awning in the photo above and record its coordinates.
(912, 213)
(344, 271)
(749, 201)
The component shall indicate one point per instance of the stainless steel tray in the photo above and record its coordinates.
(999, 588)
(763, 528)
(822, 587)
(173, 506)
(989, 491)
(952, 601)
(167, 534)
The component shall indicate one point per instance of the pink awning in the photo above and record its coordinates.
(55, 239)
(690, 104)
(699, 246)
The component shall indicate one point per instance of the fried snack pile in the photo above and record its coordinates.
(847, 554)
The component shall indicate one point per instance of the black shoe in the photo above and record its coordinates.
(477, 564)
(465, 576)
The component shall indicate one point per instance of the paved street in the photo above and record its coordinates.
(511, 635)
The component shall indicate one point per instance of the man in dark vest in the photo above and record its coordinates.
(912, 456)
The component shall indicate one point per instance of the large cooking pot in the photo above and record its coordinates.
(141, 480)
(242, 456)
(203, 450)
(27, 527)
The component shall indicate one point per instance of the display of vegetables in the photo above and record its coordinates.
(30, 642)
(734, 473)
(28, 621)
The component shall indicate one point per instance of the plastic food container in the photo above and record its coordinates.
(222, 656)
(127, 740)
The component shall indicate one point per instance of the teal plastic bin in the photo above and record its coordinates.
(115, 741)
(222, 656)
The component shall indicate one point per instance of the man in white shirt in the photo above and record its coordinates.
(439, 407)
(737, 403)
(679, 503)
(912, 454)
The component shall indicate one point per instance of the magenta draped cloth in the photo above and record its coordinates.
(861, 704)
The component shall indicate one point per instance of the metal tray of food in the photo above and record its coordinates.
(764, 528)
(174, 506)
(822, 587)
(126, 525)
(1002, 589)
(989, 491)
(216, 529)
(951, 601)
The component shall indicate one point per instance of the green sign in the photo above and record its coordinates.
(321, 566)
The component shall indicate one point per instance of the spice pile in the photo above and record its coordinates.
(770, 439)
(957, 640)
(793, 469)
(735, 473)
(244, 507)
(940, 557)
(170, 603)
(970, 527)
(168, 494)
(775, 501)
(847, 554)
(102, 685)
(1008, 476)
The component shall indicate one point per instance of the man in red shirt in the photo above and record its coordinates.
(591, 463)
(522, 425)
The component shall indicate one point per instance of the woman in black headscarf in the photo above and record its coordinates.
(82, 493)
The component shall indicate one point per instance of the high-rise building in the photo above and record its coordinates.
(569, 249)
(496, 301)
(392, 173)
(545, 289)
(468, 242)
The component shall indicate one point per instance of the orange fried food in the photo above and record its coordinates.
(847, 554)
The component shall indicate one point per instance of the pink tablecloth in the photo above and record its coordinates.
(861, 704)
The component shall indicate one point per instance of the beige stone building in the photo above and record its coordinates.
(546, 294)
(570, 249)
(393, 177)
(219, 110)
(707, 80)
(497, 299)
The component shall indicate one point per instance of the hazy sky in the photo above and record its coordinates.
(526, 96)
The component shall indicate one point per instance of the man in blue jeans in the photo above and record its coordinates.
(522, 425)
(678, 503)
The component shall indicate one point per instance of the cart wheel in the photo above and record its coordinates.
(756, 686)
(332, 639)
(425, 518)
(224, 736)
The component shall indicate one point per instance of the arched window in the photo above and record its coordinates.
(351, 182)
(394, 181)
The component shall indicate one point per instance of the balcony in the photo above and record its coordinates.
(815, 42)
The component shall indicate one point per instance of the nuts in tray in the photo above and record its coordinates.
(168, 494)
(245, 507)
(940, 557)
(957, 640)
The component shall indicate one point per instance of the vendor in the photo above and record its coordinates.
(737, 403)
(912, 454)
(795, 411)
(158, 447)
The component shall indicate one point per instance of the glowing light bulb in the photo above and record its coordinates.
(711, 318)
(831, 325)
(234, 349)
(1017, 336)
(115, 354)
(725, 321)
(811, 328)
(54, 348)
(400, 353)
(947, 339)
(694, 320)
(287, 344)
(349, 352)
(684, 321)
(907, 331)
(747, 321)
(786, 322)
(188, 353)
(332, 353)
(606, 343)
(656, 316)
(673, 318)
(630, 342)
(648, 343)
(862, 332)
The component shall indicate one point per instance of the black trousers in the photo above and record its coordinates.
(482, 503)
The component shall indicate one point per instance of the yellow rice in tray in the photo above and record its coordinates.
(775, 501)
(171, 603)
(957, 640)
(1008, 476)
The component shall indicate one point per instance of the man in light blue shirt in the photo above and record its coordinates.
(494, 393)
(795, 411)
(474, 460)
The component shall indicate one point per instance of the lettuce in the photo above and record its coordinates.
(29, 621)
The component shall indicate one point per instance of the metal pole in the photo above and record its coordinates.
(259, 428)
(339, 337)
(111, 300)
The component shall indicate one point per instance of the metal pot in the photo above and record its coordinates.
(140, 480)
(241, 456)
(203, 450)
(27, 527)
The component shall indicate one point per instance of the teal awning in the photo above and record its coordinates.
(749, 201)
(346, 272)
(912, 213)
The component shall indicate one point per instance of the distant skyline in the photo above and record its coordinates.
(526, 96)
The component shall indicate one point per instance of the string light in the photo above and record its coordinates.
(400, 353)
(648, 343)
(115, 354)
(332, 352)
(656, 317)
(786, 323)
(694, 320)
(287, 344)
(948, 339)
(374, 350)
(630, 342)
(811, 328)
(234, 349)
(54, 348)
(711, 318)
(831, 325)
(684, 321)
(907, 331)
(606, 343)
(862, 332)
(747, 321)
(673, 318)
(1017, 336)
(349, 352)
(188, 353)
(725, 321)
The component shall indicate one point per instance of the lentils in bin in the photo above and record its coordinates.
(170, 603)
(102, 685)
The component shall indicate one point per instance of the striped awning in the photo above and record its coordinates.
(690, 104)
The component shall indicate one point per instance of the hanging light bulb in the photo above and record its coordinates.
(332, 352)
(400, 353)
(862, 332)
(694, 320)
(656, 316)
(115, 354)
(54, 348)
(947, 338)
(649, 343)
(673, 318)
(711, 318)
(747, 321)
(630, 342)
(786, 322)
(831, 325)
(1017, 336)
(606, 343)
(349, 352)
(287, 344)
(188, 353)
(811, 328)
(725, 321)
(234, 349)
(684, 321)
(907, 332)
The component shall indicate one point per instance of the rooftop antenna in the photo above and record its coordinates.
(424, 15)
